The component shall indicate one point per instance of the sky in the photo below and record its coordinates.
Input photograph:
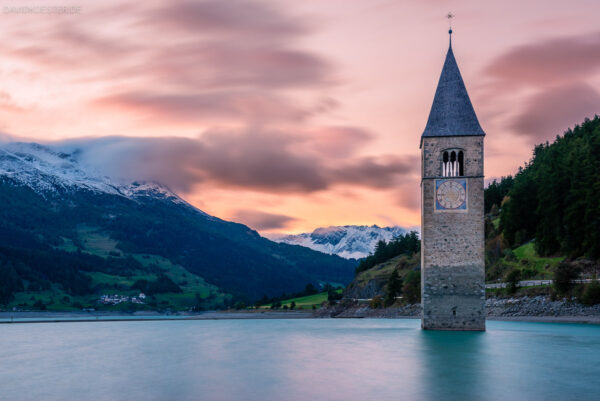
(288, 115)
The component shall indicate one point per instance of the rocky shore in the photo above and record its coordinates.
(538, 308)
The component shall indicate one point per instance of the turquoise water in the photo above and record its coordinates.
(327, 359)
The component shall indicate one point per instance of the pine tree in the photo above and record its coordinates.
(394, 288)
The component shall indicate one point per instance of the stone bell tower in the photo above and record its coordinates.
(452, 221)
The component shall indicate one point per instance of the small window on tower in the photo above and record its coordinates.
(445, 165)
(453, 163)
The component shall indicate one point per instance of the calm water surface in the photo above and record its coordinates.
(297, 360)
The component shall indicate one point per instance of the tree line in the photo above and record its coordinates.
(554, 197)
(408, 243)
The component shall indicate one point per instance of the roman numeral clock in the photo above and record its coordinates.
(451, 195)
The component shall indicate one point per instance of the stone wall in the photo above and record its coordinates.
(452, 255)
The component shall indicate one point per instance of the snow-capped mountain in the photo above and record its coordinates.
(54, 205)
(345, 241)
(50, 171)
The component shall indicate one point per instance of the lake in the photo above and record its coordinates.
(302, 359)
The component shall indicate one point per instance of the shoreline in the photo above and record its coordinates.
(75, 317)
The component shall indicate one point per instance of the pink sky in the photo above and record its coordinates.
(289, 116)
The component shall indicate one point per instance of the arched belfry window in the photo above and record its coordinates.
(453, 161)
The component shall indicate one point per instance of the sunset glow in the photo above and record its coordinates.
(288, 116)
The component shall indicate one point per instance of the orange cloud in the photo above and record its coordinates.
(262, 220)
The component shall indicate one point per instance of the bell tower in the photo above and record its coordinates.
(452, 220)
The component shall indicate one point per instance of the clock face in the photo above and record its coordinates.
(451, 194)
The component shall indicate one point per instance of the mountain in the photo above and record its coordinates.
(351, 242)
(67, 228)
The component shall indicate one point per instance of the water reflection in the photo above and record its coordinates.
(297, 360)
(454, 365)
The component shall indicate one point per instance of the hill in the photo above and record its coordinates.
(554, 197)
(70, 232)
(548, 212)
(393, 270)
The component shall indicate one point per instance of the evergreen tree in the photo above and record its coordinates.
(408, 243)
(394, 288)
(554, 197)
(412, 287)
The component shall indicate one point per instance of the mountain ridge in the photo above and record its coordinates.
(348, 241)
(48, 196)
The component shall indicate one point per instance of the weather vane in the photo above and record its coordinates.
(450, 16)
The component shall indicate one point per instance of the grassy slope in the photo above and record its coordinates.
(306, 302)
(384, 270)
(527, 256)
(526, 259)
(100, 244)
(532, 265)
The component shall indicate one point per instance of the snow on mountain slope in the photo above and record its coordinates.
(48, 171)
(345, 241)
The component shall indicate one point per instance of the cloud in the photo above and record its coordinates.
(263, 221)
(7, 102)
(340, 141)
(551, 79)
(548, 62)
(377, 172)
(196, 62)
(208, 107)
(551, 111)
(408, 195)
(266, 161)
(240, 18)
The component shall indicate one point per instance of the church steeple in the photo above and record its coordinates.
(452, 113)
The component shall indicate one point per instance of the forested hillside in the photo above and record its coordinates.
(554, 197)
(69, 236)
(548, 211)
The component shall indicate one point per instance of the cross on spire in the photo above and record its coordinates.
(450, 16)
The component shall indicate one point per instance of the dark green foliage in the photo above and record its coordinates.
(555, 197)
(509, 255)
(293, 305)
(161, 285)
(591, 294)
(199, 303)
(39, 305)
(519, 211)
(563, 278)
(43, 266)
(9, 281)
(228, 255)
(408, 243)
(332, 294)
(512, 278)
(309, 289)
(495, 193)
(393, 288)
(412, 287)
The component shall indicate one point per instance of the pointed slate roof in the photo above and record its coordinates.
(452, 113)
